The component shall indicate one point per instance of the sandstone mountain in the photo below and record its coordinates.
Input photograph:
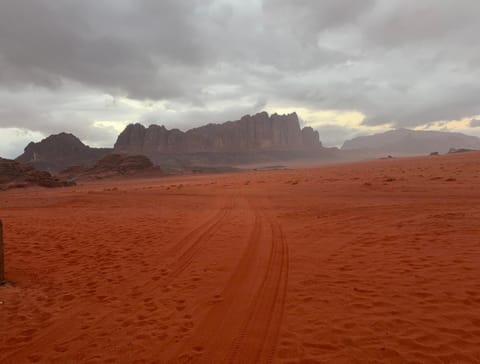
(412, 142)
(60, 151)
(260, 132)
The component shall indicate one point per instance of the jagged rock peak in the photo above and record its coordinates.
(251, 133)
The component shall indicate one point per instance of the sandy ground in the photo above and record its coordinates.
(375, 262)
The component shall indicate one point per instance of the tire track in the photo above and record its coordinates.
(210, 339)
(191, 246)
(259, 336)
(186, 240)
(248, 320)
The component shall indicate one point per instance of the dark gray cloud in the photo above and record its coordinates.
(429, 23)
(307, 18)
(134, 48)
(199, 61)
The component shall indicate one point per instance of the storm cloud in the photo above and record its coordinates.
(90, 67)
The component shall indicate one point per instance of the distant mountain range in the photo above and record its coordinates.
(412, 142)
(257, 138)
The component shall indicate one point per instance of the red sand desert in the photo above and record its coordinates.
(375, 262)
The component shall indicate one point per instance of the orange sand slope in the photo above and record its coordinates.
(354, 263)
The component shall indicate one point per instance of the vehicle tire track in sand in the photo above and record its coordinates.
(193, 242)
(184, 242)
(248, 318)
(190, 245)
(259, 336)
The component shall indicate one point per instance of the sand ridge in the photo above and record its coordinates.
(353, 263)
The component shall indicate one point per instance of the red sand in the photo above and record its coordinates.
(354, 263)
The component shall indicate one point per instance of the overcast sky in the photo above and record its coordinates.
(348, 67)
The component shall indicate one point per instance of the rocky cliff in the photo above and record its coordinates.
(256, 133)
(60, 151)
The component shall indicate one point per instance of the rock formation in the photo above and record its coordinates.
(60, 151)
(123, 163)
(14, 174)
(11, 170)
(260, 132)
(114, 165)
(252, 139)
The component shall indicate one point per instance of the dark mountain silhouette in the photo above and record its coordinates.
(412, 142)
(60, 151)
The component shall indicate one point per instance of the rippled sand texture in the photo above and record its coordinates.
(355, 263)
